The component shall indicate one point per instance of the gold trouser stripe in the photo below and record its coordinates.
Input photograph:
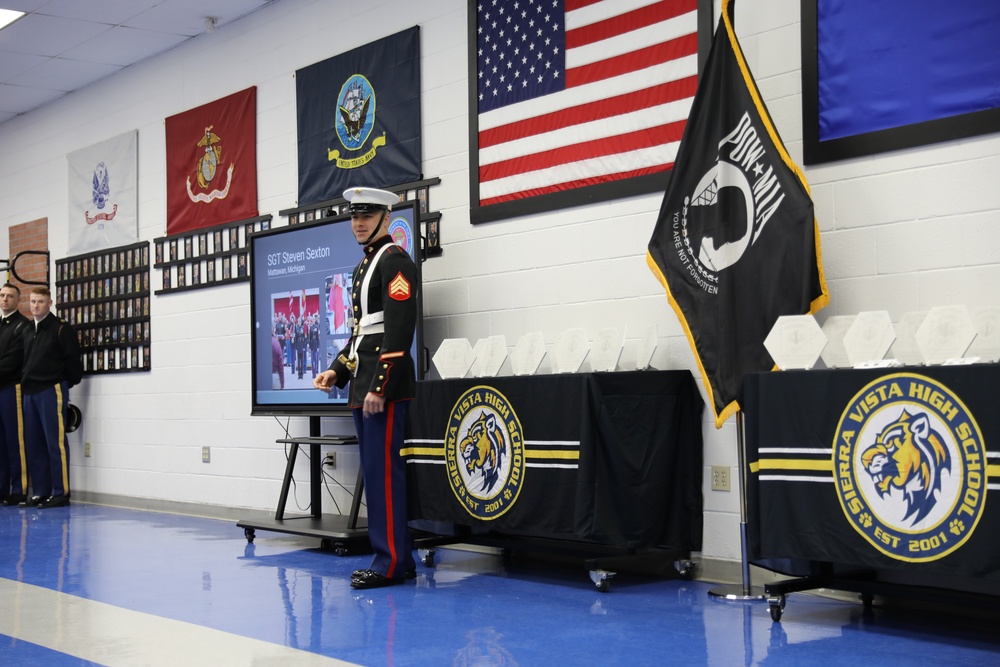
(63, 460)
(20, 439)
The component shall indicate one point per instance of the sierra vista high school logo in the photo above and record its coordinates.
(910, 467)
(484, 453)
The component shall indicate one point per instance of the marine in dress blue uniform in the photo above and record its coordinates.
(377, 363)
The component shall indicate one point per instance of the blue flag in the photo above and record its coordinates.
(359, 118)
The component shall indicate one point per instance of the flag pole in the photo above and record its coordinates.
(744, 592)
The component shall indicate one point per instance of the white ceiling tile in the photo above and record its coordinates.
(124, 46)
(113, 12)
(47, 35)
(12, 64)
(19, 99)
(64, 45)
(64, 75)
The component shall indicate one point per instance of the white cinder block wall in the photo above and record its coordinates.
(902, 231)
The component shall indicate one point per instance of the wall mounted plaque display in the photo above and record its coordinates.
(453, 358)
(528, 353)
(795, 342)
(570, 351)
(104, 295)
(869, 337)
(834, 355)
(905, 347)
(986, 345)
(946, 334)
(607, 349)
(206, 257)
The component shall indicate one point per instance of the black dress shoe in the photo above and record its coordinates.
(33, 501)
(409, 574)
(54, 501)
(14, 499)
(372, 579)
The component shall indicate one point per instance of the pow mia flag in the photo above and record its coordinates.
(736, 244)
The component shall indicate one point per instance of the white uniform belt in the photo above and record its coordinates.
(371, 324)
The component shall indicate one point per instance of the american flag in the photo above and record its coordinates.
(573, 93)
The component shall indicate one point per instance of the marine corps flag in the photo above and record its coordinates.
(212, 163)
(736, 243)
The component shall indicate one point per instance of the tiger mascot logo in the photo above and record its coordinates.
(484, 453)
(483, 450)
(909, 455)
(909, 467)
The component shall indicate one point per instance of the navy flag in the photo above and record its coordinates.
(359, 118)
(736, 244)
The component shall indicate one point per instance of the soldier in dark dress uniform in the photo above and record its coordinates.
(13, 471)
(378, 364)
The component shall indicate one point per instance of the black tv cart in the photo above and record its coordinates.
(339, 533)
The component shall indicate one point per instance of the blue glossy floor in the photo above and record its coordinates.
(89, 584)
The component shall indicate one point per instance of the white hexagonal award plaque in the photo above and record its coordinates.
(946, 334)
(528, 353)
(478, 351)
(453, 358)
(490, 354)
(986, 346)
(834, 355)
(905, 346)
(647, 346)
(869, 338)
(795, 342)
(570, 350)
(607, 349)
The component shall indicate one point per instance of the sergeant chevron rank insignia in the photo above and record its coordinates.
(399, 288)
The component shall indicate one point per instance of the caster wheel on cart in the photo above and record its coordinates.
(602, 579)
(426, 556)
(867, 599)
(249, 533)
(775, 606)
(685, 569)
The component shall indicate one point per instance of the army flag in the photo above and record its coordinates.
(212, 163)
(736, 244)
(358, 117)
(103, 195)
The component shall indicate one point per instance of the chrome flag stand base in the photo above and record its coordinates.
(744, 592)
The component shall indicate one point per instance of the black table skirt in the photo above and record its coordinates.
(800, 427)
(608, 458)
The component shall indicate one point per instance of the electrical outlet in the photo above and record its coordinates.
(86, 450)
(720, 478)
(206, 454)
(330, 460)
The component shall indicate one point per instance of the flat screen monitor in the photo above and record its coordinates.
(301, 279)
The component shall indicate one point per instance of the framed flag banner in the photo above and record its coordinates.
(578, 101)
(212, 163)
(358, 118)
(103, 200)
(104, 295)
(882, 76)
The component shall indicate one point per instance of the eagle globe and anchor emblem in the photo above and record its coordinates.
(484, 453)
(909, 464)
(207, 169)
